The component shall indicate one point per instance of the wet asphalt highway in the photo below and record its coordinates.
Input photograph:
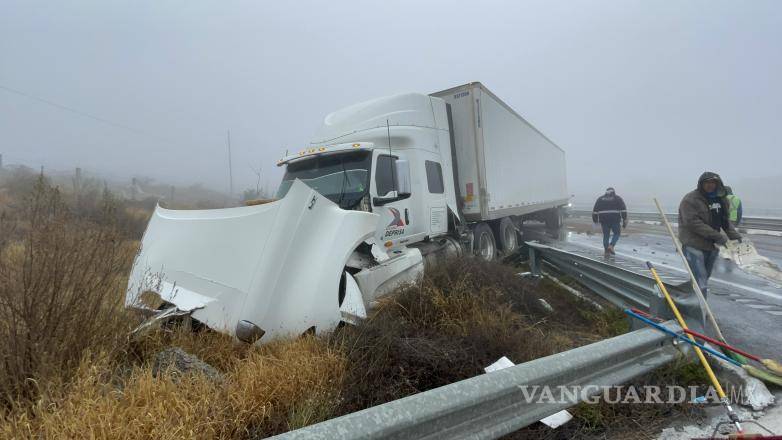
(748, 308)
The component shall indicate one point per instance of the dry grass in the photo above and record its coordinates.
(281, 386)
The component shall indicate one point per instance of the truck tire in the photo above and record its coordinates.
(507, 236)
(554, 219)
(484, 246)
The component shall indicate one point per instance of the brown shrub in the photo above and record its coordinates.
(59, 284)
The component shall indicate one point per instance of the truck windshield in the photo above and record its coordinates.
(342, 178)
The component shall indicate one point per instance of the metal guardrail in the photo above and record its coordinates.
(762, 223)
(492, 405)
(621, 287)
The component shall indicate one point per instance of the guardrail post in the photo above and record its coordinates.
(534, 261)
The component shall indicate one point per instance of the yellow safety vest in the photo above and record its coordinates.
(733, 207)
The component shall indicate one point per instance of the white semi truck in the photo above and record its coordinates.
(386, 185)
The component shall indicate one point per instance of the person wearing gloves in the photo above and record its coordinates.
(610, 211)
(703, 216)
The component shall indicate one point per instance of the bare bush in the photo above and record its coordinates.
(61, 285)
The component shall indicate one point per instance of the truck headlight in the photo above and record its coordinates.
(248, 332)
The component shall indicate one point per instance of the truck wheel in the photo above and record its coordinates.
(483, 244)
(508, 238)
(554, 219)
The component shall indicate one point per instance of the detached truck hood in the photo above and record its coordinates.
(277, 266)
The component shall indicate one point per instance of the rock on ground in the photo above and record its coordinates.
(175, 360)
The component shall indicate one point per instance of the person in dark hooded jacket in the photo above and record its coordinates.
(703, 215)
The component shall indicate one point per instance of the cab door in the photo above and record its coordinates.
(435, 204)
(399, 224)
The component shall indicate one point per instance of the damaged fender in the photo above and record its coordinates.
(276, 266)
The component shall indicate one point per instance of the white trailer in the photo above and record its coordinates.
(505, 166)
(386, 185)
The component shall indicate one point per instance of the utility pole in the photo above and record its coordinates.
(77, 187)
(230, 168)
(77, 182)
(133, 189)
(257, 182)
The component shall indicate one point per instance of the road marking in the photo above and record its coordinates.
(760, 306)
(775, 312)
(744, 300)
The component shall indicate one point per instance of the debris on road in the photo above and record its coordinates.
(747, 259)
(754, 393)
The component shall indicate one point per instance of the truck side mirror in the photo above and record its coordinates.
(404, 184)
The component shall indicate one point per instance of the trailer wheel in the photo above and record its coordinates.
(484, 245)
(507, 235)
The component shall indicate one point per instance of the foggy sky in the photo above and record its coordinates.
(641, 95)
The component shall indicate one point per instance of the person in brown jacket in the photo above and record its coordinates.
(703, 215)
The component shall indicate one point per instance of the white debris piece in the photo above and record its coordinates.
(747, 259)
(553, 421)
(557, 420)
(546, 305)
(502, 363)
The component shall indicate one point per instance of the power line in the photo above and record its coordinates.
(83, 114)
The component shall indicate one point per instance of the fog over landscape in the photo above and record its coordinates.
(643, 96)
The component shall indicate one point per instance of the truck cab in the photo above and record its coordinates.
(393, 163)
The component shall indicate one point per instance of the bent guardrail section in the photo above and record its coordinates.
(621, 287)
(492, 405)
